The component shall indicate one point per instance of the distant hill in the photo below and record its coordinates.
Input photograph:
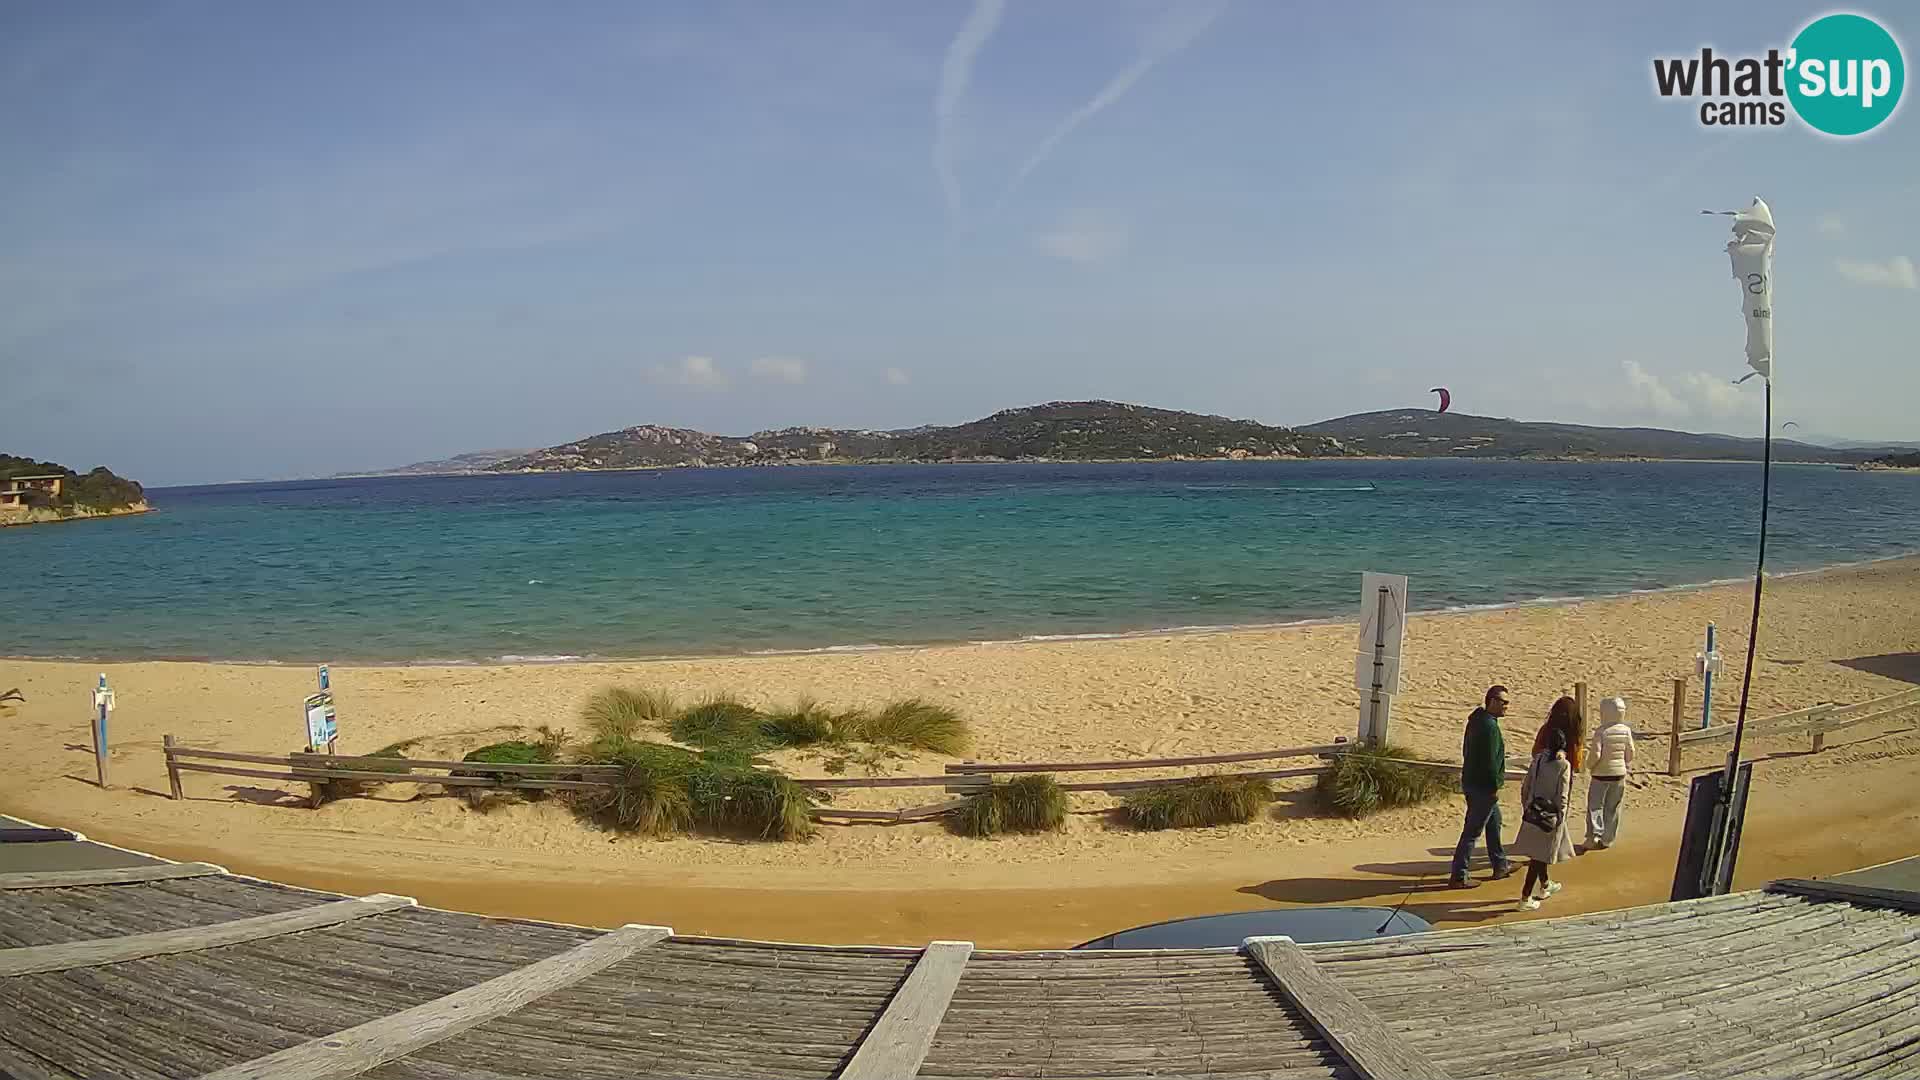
(90, 494)
(1056, 431)
(1424, 433)
(477, 461)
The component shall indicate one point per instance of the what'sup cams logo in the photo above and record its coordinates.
(1842, 75)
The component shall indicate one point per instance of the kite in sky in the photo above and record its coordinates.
(1446, 399)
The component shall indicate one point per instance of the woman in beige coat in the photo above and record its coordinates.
(1545, 798)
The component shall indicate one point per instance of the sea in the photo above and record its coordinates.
(582, 566)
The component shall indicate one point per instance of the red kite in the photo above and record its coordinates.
(1446, 399)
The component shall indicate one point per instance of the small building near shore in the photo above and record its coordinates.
(14, 489)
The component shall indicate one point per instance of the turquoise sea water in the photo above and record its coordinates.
(704, 561)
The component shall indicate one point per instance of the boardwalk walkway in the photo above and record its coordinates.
(191, 972)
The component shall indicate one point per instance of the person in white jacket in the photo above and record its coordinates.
(1611, 755)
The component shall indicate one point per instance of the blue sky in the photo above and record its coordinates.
(250, 240)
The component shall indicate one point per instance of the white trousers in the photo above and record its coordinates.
(1603, 811)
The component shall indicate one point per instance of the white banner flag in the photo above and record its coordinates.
(1751, 250)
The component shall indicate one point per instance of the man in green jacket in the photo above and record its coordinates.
(1484, 755)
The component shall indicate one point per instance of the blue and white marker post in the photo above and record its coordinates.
(1705, 665)
(102, 705)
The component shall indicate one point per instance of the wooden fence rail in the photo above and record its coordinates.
(1819, 721)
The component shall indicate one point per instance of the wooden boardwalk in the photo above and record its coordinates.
(259, 980)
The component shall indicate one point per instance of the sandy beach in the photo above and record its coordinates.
(1843, 635)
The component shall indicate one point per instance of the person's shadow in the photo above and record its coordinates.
(1425, 880)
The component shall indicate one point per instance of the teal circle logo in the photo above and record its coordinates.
(1845, 75)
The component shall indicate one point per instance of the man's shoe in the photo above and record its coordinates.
(1500, 872)
(1463, 883)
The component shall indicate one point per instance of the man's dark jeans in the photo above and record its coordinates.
(1483, 816)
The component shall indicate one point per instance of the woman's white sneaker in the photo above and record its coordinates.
(1552, 887)
(1529, 904)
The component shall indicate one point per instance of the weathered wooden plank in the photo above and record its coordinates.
(354, 1051)
(333, 761)
(308, 776)
(966, 767)
(1765, 727)
(1360, 1036)
(899, 1041)
(1137, 785)
(65, 879)
(1897, 899)
(38, 958)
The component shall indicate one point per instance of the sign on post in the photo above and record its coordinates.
(321, 725)
(1376, 669)
(102, 705)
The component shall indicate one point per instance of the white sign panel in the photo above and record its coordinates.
(1363, 675)
(1396, 624)
(321, 727)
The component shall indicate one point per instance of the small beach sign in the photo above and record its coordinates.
(322, 727)
(1376, 668)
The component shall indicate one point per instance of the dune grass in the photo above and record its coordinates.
(1025, 804)
(619, 712)
(1363, 781)
(545, 751)
(804, 723)
(1196, 803)
(912, 724)
(721, 722)
(662, 790)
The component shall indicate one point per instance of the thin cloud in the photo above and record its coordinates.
(1831, 224)
(895, 377)
(1175, 32)
(785, 369)
(1895, 273)
(693, 372)
(956, 72)
(1651, 392)
(1085, 236)
(1693, 394)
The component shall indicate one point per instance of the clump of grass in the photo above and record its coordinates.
(911, 723)
(1025, 804)
(665, 789)
(1206, 800)
(1363, 781)
(805, 723)
(720, 722)
(335, 790)
(621, 712)
(518, 752)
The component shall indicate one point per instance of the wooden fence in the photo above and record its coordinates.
(1819, 721)
(960, 781)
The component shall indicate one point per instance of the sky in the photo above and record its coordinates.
(264, 241)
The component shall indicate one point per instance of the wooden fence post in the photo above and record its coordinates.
(1580, 701)
(173, 771)
(1673, 733)
(1819, 734)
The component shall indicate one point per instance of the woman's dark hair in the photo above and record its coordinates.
(1566, 720)
(1556, 740)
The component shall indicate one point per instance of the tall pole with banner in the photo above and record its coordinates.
(1376, 668)
(1717, 803)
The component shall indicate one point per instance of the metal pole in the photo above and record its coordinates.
(100, 730)
(1374, 734)
(1753, 631)
(1706, 698)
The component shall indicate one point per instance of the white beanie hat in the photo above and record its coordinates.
(1613, 710)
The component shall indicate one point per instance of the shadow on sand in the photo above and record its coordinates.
(1903, 666)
